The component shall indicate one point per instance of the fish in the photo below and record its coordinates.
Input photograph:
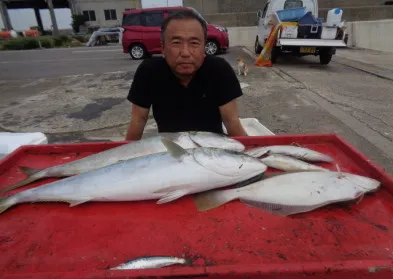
(152, 262)
(289, 164)
(165, 176)
(127, 151)
(301, 153)
(293, 193)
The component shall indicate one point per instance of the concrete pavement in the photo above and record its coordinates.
(296, 96)
(48, 63)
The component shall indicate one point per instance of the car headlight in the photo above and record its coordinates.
(289, 32)
(221, 28)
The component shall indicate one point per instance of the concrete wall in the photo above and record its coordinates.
(375, 35)
(350, 14)
(225, 6)
(363, 13)
(243, 12)
(242, 36)
(348, 3)
(100, 5)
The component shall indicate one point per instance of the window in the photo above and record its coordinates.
(90, 15)
(131, 20)
(110, 14)
(153, 18)
(292, 4)
(265, 10)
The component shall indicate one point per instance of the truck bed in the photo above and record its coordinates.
(52, 240)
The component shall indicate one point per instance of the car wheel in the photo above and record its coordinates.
(258, 48)
(211, 47)
(274, 54)
(325, 55)
(137, 52)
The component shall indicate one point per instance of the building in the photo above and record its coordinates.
(103, 13)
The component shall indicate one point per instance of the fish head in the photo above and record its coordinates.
(228, 162)
(208, 139)
(366, 184)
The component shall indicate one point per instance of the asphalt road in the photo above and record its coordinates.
(18, 65)
(84, 89)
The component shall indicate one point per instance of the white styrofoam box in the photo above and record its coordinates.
(11, 141)
(328, 33)
(253, 127)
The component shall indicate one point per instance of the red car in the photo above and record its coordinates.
(142, 31)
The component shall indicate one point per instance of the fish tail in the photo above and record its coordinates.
(188, 262)
(5, 203)
(31, 177)
(213, 199)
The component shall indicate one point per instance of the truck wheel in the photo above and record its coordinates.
(274, 55)
(325, 55)
(258, 48)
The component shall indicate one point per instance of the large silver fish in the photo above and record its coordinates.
(166, 176)
(290, 164)
(290, 150)
(293, 193)
(127, 151)
(152, 262)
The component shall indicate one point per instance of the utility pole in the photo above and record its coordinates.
(55, 31)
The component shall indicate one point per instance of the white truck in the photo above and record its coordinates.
(320, 39)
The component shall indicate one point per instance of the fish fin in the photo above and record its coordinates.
(170, 189)
(75, 203)
(172, 196)
(250, 180)
(19, 184)
(280, 209)
(173, 148)
(4, 205)
(359, 198)
(29, 171)
(212, 199)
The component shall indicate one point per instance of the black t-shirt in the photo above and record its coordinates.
(177, 108)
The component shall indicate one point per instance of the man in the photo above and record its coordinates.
(187, 90)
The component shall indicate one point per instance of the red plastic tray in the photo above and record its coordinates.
(51, 240)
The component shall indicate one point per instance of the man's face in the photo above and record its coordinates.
(184, 46)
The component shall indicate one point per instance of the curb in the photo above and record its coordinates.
(378, 72)
(363, 67)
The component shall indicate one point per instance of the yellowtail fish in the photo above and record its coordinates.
(165, 176)
(127, 151)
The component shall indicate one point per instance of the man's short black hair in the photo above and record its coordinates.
(183, 14)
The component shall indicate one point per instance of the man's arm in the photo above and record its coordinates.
(230, 117)
(140, 98)
(139, 117)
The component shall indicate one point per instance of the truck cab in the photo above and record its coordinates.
(291, 37)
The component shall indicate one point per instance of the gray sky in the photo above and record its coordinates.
(24, 18)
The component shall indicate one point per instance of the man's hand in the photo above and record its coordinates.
(230, 117)
(139, 117)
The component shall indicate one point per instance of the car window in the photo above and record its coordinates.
(292, 4)
(265, 10)
(153, 18)
(131, 20)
